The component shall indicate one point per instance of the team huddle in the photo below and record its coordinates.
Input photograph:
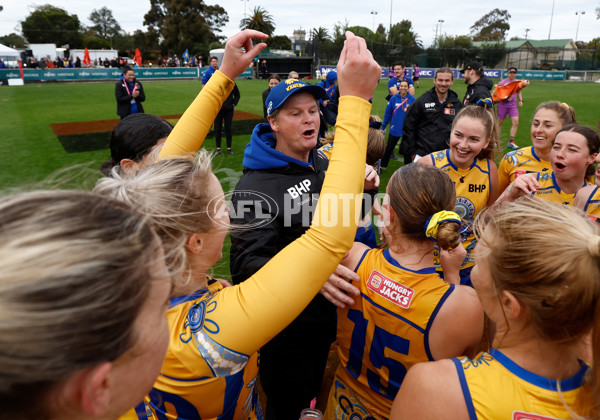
(480, 301)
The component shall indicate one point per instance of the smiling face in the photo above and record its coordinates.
(512, 75)
(214, 63)
(467, 139)
(403, 88)
(570, 156)
(544, 127)
(129, 76)
(442, 83)
(296, 126)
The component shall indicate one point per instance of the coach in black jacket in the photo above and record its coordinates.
(478, 86)
(129, 94)
(429, 118)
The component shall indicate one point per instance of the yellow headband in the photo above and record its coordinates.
(431, 225)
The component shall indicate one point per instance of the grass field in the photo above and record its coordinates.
(32, 151)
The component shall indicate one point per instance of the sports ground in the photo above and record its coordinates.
(49, 127)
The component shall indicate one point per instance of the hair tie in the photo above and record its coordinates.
(375, 124)
(432, 223)
(593, 245)
(566, 105)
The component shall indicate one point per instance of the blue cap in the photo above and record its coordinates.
(282, 91)
(331, 76)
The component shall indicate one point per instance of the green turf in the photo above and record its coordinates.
(32, 152)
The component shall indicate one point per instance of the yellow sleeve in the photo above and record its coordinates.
(193, 127)
(504, 171)
(260, 307)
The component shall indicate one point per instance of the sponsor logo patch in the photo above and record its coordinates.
(390, 290)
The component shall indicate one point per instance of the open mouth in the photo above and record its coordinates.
(559, 166)
(309, 133)
(462, 153)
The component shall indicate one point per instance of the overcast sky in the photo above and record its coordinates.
(425, 15)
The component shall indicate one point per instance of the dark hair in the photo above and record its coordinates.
(399, 63)
(133, 137)
(592, 140)
(443, 70)
(376, 141)
(274, 76)
(126, 69)
(212, 58)
(416, 193)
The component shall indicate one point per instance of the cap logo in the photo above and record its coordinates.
(290, 81)
(294, 86)
(269, 107)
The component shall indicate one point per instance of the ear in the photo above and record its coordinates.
(88, 390)
(273, 123)
(512, 307)
(194, 243)
(129, 166)
(592, 158)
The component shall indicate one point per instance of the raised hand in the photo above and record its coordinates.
(236, 60)
(358, 73)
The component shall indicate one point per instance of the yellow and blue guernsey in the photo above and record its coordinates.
(592, 205)
(212, 361)
(382, 335)
(550, 191)
(326, 150)
(472, 193)
(519, 162)
(495, 387)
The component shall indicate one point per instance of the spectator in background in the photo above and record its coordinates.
(129, 94)
(3, 66)
(262, 68)
(214, 66)
(274, 79)
(106, 63)
(416, 74)
(510, 106)
(225, 115)
(394, 82)
(329, 105)
(395, 112)
(479, 86)
(294, 75)
(77, 62)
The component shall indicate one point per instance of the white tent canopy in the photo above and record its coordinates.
(8, 52)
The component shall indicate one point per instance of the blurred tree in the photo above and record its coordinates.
(105, 25)
(402, 34)
(451, 50)
(13, 40)
(260, 20)
(321, 34)
(49, 24)
(279, 42)
(492, 26)
(185, 23)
